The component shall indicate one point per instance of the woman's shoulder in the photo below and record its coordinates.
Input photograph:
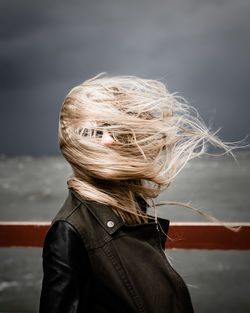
(60, 228)
(62, 233)
(63, 242)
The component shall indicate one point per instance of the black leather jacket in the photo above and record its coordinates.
(94, 262)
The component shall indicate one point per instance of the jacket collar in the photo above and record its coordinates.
(111, 222)
(102, 212)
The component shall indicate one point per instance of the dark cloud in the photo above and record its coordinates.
(201, 48)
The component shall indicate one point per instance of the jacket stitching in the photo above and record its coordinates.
(96, 244)
(70, 213)
(118, 223)
(101, 243)
(110, 252)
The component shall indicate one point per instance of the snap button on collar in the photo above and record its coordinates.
(110, 224)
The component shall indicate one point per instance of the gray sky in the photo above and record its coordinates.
(201, 49)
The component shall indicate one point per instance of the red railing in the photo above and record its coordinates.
(181, 235)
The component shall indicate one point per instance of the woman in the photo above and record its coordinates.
(125, 138)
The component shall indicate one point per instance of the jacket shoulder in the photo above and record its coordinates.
(76, 211)
(69, 206)
(62, 238)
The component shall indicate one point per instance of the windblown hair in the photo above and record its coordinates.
(155, 134)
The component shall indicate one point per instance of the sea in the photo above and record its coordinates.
(34, 188)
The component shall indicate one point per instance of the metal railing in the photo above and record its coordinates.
(181, 235)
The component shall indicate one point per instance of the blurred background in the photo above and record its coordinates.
(199, 49)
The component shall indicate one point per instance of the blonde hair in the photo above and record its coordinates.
(155, 134)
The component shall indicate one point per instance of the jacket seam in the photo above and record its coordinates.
(73, 226)
(67, 216)
(70, 213)
(114, 257)
(101, 243)
(79, 229)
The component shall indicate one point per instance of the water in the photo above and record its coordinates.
(219, 281)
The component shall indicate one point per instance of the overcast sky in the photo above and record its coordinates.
(200, 49)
